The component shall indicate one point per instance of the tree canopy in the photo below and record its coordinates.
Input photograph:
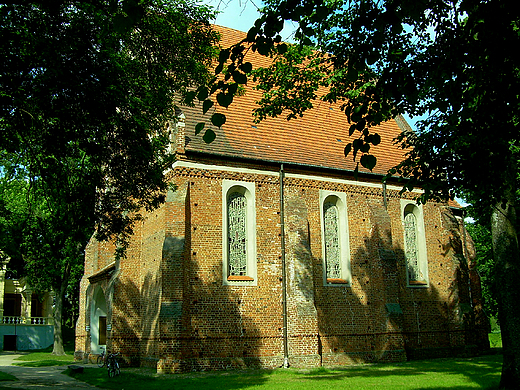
(453, 61)
(86, 107)
(87, 92)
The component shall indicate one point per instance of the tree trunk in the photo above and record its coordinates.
(58, 321)
(58, 312)
(507, 277)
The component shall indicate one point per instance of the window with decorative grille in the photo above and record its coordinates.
(335, 238)
(332, 245)
(414, 245)
(412, 255)
(237, 234)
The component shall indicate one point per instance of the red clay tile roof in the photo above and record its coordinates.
(316, 139)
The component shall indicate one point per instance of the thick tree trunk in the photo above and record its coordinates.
(507, 277)
(58, 321)
(58, 348)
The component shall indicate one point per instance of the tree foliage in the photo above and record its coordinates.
(454, 62)
(86, 99)
(87, 91)
(481, 236)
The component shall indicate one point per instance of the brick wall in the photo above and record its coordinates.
(170, 310)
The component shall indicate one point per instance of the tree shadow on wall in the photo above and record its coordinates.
(379, 318)
(181, 317)
(205, 330)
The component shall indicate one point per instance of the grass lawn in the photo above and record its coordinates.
(471, 373)
(457, 374)
(45, 357)
(6, 377)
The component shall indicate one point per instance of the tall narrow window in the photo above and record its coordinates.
(238, 233)
(410, 234)
(414, 246)
(336, 253)
(332, 248)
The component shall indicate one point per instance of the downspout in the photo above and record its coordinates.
(466, 255)
(284, 274)
(385, 202)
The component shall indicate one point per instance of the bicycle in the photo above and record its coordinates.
(101, 359)
(112, 364)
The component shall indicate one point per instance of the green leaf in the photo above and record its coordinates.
(209, 136)
(198, 127)
(239, 78)
(232, 88)
(368, 161)
(282, 48)
(356, 145)
(223, 56)
(190, 96)
(122, 23)
(219, 68)
(218, 119)
(374, 139)
(202, 94)
(251, 34)
(224, 99)
(264, 46)
(347, 150)
(246, 67)
(207, 105)
(365, 147)
(360, 125)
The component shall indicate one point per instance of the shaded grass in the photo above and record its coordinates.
(458, 374)
(7, 377)
(4, 377)
(45, 358)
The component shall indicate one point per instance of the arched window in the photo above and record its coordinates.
(331, 237)
(238, 233)
(414, 245)
(336, 253)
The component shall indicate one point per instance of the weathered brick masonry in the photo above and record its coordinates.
(170, 303)
(169, 307)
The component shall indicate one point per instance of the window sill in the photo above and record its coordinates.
(336, 281)
(240, 278)
(417, 283)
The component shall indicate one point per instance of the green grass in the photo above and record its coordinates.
(454, 374)
(6, 377)
(45, 358)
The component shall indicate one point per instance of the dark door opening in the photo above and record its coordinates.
(102, 330)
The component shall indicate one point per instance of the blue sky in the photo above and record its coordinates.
(237, 14)
(241, 15)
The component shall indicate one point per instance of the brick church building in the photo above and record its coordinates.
(269, 251)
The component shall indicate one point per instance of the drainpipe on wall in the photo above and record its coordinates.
(284, 274)
(385, 204)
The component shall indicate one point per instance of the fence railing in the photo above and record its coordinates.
(14, 320)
